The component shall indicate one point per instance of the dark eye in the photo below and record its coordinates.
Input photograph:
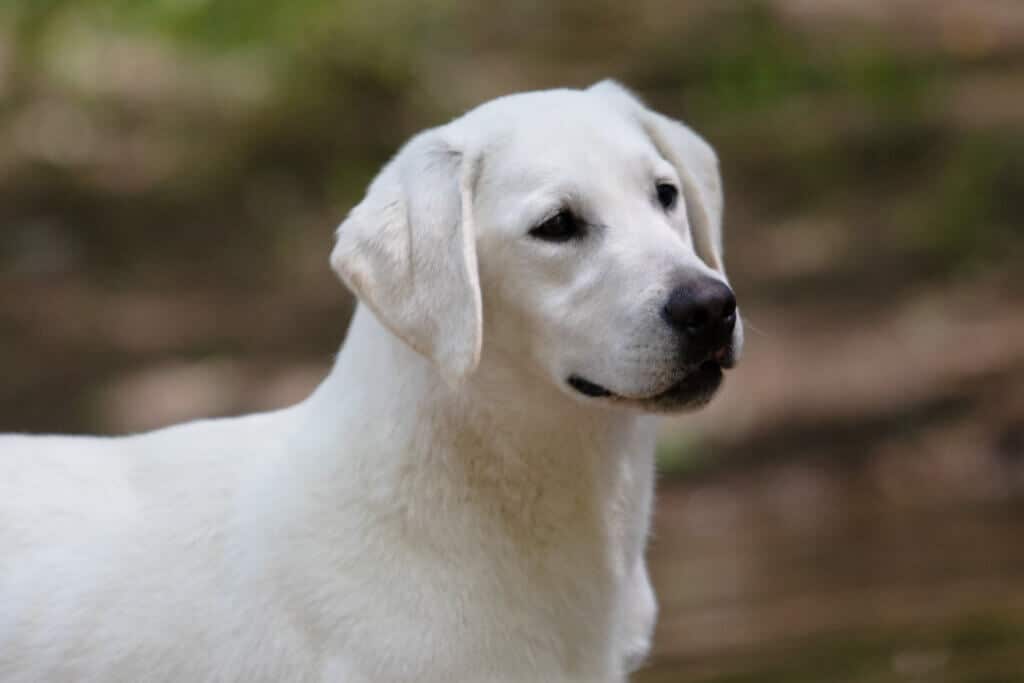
(667, 195)
(561, 227)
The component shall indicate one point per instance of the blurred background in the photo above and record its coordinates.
(850, 509)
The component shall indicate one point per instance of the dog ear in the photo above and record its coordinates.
(408, 251)
(695, 162)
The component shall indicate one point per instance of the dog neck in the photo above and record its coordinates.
(502, 440)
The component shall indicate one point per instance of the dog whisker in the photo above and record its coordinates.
(754, 328)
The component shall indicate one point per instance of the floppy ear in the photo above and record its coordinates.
(695, 162)
(408, 251)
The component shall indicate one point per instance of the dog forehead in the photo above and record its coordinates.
(553, 106)
(556, 136)
(560, 125)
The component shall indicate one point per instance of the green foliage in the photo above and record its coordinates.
(748, 61)
(978, 199)
(682, 453)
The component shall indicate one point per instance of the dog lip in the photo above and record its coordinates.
(708, 372)
(588, 388)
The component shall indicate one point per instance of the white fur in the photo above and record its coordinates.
(444, 507)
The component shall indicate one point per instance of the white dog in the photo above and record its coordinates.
(467, 495)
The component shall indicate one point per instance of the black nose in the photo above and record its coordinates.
(705, 311)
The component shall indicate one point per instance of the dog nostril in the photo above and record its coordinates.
(728, 314)
(729, 307)
(698, 321)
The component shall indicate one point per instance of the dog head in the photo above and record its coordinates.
(573, 235)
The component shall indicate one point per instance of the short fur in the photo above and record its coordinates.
(444, 507)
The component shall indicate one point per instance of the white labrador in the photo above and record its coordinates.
(466, 497)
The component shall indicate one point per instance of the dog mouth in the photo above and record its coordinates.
(693, 390)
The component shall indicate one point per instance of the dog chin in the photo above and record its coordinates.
(690, 393)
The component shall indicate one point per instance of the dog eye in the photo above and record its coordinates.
(561, 227)
(667, 195)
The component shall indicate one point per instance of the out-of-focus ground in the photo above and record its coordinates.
(850, 509)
